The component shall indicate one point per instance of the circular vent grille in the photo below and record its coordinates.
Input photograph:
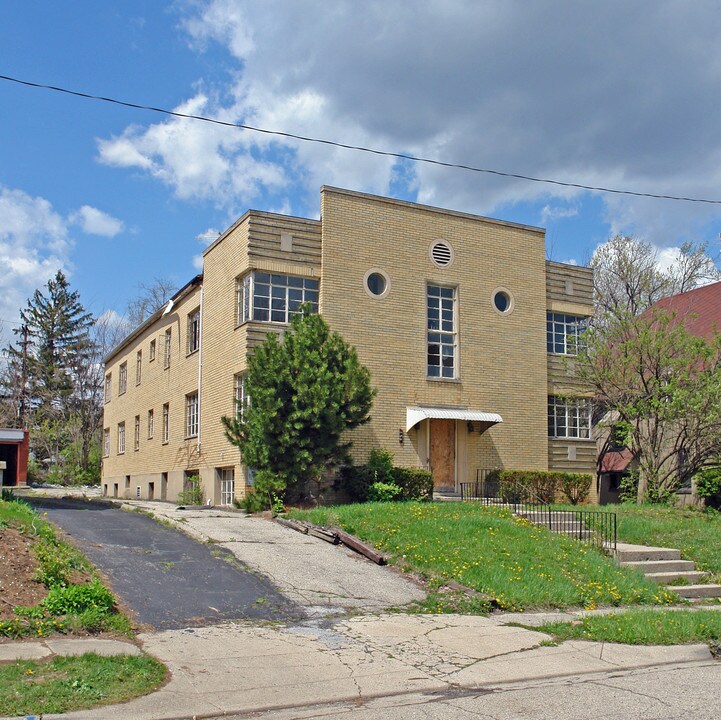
(441, 253)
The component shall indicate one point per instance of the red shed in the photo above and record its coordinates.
(13, 457)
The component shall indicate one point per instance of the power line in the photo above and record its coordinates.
(359, 148)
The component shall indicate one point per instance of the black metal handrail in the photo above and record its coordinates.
(595, 527)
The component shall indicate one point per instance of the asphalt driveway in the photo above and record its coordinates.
(167, 579)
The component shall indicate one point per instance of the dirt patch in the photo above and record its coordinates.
(17, 567)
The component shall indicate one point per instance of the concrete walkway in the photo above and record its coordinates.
(244, 668)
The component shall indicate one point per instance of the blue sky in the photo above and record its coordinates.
(616, 94)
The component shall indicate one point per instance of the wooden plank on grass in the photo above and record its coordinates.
(359, 546)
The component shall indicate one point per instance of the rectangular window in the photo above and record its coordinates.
(442, 334)
(168, 338)
(123, 380)
(241, 396)
(191, 415)
(138, 366)
(151, 351)
(136, 438)
(227, 485)
(569, 417)
(193, 331)
(151, 424)
(563, 333)
(121, 438)
(166, 422)
(108, 387)
(268, 297)
(106, 442)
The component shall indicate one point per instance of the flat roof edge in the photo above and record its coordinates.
(430, 208)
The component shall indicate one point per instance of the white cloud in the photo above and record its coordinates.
(34, 245)
(96, 222)
(554, 212)
(208, 237)
(609, 94)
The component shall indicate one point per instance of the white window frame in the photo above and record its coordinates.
(193, 344)
(123, 378)
(151, 351)
(167, 348)
(226, 477)
(151, 424)
(563, 331)
(166, 423)
(108, 387)
(192, 419)
(440, 334)
(286, 292)
(121, 438)
(138, 367)
(106, 442)
(569, 418)
(240, 396)
(136, 437)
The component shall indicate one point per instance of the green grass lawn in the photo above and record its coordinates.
(519, 565)
(643, 627)
(34, 687)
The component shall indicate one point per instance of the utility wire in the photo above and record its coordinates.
(359, 148)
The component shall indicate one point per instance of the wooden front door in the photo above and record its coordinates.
(442, 453)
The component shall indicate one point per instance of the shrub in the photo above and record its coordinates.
(415, 483)
(708, 486)
(76, 599)
(528, 485)
(193, 493)
(380, 465)
(576, 486)
(266, 488)
(355, 480)
(383, 492)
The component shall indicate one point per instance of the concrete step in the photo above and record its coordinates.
(660, 566)
(693, 592)
(446, 497)
(663, 578)
(626, 552)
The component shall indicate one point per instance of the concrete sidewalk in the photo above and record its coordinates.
(243, 668)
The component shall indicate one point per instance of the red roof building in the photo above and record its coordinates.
(699, 308)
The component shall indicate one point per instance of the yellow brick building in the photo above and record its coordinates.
(467, 330)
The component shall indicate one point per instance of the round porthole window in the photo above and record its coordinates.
(441, 253)
(376, 283)
(502, 301)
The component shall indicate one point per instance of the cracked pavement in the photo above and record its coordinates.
(349, 656)
(325, 579)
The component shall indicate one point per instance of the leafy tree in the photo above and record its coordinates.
(662, 385)
(59, 396)
(305, 391)
(628, 279)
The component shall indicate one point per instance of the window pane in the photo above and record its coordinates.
(295, 282)
(447, 293)
(261, 277)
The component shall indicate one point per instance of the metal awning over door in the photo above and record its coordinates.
(416, 414)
